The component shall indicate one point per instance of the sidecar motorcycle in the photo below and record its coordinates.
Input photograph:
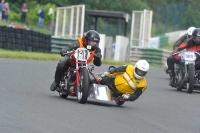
(76, 80)
(102, 92)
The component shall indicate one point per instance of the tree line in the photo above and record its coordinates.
(190, 13)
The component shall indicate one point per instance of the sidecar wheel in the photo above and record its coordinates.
(119, 102)
(82, 91)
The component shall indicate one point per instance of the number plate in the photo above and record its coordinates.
(190, 56)
(82, 54)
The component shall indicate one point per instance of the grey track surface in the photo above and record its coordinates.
(28, 106)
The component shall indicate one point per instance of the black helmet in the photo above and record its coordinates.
(196, 35)
(92, 35)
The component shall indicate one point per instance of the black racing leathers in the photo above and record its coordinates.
(188, 44)
(64, 64)
(180, 41)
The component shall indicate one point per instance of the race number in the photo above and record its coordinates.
(190, 56)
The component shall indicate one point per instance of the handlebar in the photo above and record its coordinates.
(68, 53)
(181, 51)
(175, 54)
(197, 53)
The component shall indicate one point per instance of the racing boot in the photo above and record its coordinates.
(54, 86)
(172, 81)
(167, 71)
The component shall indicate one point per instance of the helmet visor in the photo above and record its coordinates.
(93, 43)
(196, 39)
(189, 36)
(140, 72)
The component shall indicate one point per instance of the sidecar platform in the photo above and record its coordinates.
(100, 92)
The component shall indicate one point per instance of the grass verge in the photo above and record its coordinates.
(47, 57)
(169, 47)
(28, 55)
(42, 56)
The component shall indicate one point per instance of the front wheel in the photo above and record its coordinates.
(190, 84)
(83, 89)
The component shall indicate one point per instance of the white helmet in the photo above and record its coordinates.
(141, 69)
(189, 31)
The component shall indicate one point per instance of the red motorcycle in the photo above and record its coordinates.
(75, 81)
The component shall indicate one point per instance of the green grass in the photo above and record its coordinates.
(112, 62)
(169, 47)
(28, 55)
(49, 57)
(42, 56)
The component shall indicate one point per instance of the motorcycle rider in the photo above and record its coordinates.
(191, 44)
(183, 37)
(128, 81)
(91, 38)
(180, 41)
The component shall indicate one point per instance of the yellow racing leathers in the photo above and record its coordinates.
(123, 81)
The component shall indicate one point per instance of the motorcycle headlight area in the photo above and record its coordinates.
(82, 54)
(189, 56)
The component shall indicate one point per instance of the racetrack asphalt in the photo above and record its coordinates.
(28, 106)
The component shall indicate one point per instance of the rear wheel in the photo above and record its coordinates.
(190, 84)
(63, 87)
(180, 76)
(63, 95)
(83, 89)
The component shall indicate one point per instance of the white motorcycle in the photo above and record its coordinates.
(186, 77)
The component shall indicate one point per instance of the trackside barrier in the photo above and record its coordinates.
(58, 43)
(163, 40)
(24, 40)
(153, 56)
(166, 54)
(156, 57)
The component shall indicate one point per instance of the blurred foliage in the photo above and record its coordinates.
(190, 15)
(33, 17)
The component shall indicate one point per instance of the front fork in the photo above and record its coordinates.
(77, 83)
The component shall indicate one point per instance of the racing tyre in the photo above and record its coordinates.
(180, 79)
(83, 89)
(63, 95)
(111, 67)
(190, 84)
(119, 102)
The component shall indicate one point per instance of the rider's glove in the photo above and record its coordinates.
(126, 96)
(62, 52)
(98, 55)
(105, 74)
(93, 48)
